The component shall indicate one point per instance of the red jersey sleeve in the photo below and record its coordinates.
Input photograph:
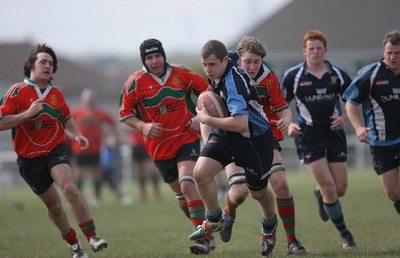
(272, 99)
(128, 98)
(277, 98)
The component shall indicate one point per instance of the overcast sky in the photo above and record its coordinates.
(77, 28)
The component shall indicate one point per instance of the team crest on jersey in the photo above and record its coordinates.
(53, 100)
(176, 80)
(269, 84)
(334, 80)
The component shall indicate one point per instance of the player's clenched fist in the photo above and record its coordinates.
(294, 130)
(35, 108)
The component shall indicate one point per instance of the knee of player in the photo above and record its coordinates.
(282, 190)
(280, 185)
(264, 194)
(393, 195)
(238, 193)
(187, 184)
(341, 189)
(202, 177)
(70, 190)
(257, 195)
(55, 208)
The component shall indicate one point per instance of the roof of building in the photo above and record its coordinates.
(70, 76)
(348, 24)
(354, 29)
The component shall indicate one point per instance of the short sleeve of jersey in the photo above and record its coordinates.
(287, 85)
(359, 88)
(236, 102)
(345, 84)
(196, 84)
(276, 96)
(194, 81)
(8, 103)
(65, 109)
(127, 100)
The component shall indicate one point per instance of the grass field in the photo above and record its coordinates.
(159, 229)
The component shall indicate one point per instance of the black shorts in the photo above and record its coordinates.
(317, 142)
(385, 158)
(89, 160)
(36, 171)
(253, 154)
(168, 168)
(139, 153)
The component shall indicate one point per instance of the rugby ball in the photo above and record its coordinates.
(213, 103)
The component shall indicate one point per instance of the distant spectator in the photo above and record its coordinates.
(91, 121)
(110, 164)
(144, 167)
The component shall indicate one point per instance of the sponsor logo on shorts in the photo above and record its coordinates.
(251, 171)
(194, 153)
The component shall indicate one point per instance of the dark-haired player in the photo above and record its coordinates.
(36, 112)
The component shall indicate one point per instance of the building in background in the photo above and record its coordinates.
(354, 29)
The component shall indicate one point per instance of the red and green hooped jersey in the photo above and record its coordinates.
(41, 133)
(168, 101)
(271, 96)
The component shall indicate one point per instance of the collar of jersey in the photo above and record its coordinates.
(33, 83)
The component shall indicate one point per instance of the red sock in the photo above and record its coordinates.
(287, 213)
(70, 237)
(88, 228)
(197, 212)
(231, 207)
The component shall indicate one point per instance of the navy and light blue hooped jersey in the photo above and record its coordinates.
(317, 100)
(241, 97)
(378, 90)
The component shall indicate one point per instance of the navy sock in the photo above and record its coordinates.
(268, 227)
(214, 216)
(334, 210)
